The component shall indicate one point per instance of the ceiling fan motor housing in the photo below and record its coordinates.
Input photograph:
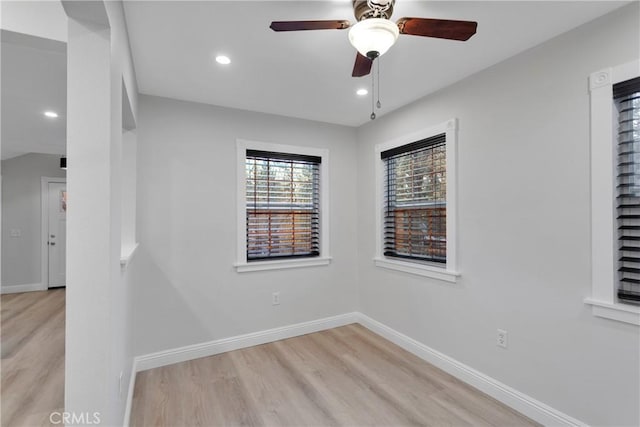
(365, 9)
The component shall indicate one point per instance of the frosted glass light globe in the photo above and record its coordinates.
(373, 35)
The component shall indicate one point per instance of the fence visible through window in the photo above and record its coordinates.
(415, 207)
(282, 205)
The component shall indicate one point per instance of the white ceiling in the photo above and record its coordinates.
(34, 80)
(308, 74)
(34, 77)
(301, 74)
(46, 19)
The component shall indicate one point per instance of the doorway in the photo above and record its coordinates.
(54, 232)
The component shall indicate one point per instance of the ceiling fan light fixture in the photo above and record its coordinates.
(373, 35)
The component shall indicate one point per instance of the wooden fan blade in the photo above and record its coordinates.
(309, 25)
(362, 67)
(439, 28)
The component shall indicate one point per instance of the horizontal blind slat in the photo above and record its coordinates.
(414, 224)
(282, 202)
(627, 97)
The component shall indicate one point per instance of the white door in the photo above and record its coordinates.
(57, 234)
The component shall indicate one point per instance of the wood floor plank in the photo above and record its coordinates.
(403, 388)
(32, 379)
(364, 404)
(344, 376)
(23, 316)
(281, 396)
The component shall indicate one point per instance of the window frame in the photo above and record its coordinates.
(242, 265)
(603, 132)
(442, 271)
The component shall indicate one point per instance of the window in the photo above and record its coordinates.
(283, 211)
(415, 200)
(416, 177)
(627, 98)
(615, 193)
(282, 206)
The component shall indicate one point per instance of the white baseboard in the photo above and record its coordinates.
(132, 386)
(530, 407)
(14, 289)
(520, 402)
(196, 351)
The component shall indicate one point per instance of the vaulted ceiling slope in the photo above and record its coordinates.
(307, 74)
(34, 80)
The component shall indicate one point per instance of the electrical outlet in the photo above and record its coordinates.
(501, 338)
(275, 298)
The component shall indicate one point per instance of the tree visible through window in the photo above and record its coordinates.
(627, 97)
(415, 206)
(282, 205)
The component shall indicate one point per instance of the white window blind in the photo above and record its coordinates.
(283, 214)
(627, 98)
(415, 201)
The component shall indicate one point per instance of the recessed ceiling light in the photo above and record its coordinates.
(51, 114)
(362, 92)
(224, 60)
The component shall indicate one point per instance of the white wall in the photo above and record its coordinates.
(99, 327)
(128, 178)
(39, 18)
(21, 210)
(124, 103)
(524, 227)
(188, 290)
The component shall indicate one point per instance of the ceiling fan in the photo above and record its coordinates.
(375, 33)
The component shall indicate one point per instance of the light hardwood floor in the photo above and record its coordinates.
(32, 333)
(343, 376)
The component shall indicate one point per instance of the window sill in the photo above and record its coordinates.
(418, 269)
(245, 267)
(126, 255)
(621, 312)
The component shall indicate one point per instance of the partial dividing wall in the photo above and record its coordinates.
(98, 354)
(188, 291)
(21, 216)
(524, 230)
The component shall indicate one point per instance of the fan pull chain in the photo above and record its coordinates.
(378, 104)
(373, 112)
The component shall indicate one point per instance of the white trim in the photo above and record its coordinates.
(626, 71)
(417, 269)
(241, 242)
(126, 255)
(521, 402)
(449, 272)
(196, 351)
(600, 79)
(132, 385)
(603, 213)
(15, 289)
(281, 264)
(44, 227)
(626, 313)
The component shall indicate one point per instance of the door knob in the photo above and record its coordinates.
(53, 235)
(52, 243)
